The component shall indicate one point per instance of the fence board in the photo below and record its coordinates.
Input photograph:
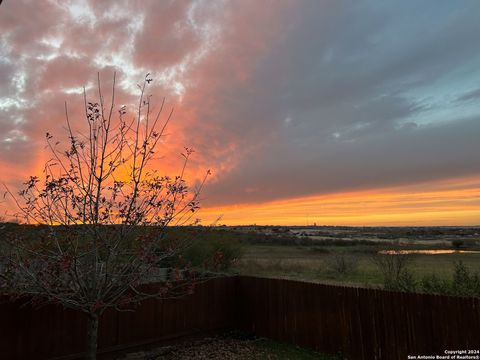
(51, 331)
(360, 323)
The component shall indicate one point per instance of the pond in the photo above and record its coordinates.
(427, 252)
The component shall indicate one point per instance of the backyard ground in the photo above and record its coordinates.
(229, 347)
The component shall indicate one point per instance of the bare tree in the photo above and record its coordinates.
(394, 268)
(103, 210)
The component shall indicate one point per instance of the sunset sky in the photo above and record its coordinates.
(306, 111)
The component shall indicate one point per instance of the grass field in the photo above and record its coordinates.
(335, 255)
(315, 263)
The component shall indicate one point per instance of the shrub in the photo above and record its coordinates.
(214, 253)
(341, 264)
(464, 282)
(467, 243)
(434, 285)
(405, 282)
(395, 272)
(457, 244)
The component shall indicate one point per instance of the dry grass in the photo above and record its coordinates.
(312, 264)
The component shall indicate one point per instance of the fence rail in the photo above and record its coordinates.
(359, 323)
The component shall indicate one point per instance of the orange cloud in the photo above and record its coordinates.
(446, 203)
(277, 99)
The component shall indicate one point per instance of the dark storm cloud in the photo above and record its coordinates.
(404, 156)
(335, 101)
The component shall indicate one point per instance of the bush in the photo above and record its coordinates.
(434, 285)
(341, 264)
(395, 272)
(468, 243)
(457, 244)
(463, 283)
(213, 253)
(405, 282)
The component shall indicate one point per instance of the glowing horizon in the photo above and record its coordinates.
(449, 203)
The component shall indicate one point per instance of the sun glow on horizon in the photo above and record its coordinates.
(444, 203)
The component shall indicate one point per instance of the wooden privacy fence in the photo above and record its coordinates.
(50, 331)
(359, 323)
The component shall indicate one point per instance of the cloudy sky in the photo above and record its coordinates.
(334, 112)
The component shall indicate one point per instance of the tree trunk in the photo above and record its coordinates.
(92, 335)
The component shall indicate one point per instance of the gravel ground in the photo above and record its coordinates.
(214, 348)
(227, 348)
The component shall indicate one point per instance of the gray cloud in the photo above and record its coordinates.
(280, 98)
(352, 80)
(470, 95)
(403, 156)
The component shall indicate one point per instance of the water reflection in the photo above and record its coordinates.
(427, 252)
